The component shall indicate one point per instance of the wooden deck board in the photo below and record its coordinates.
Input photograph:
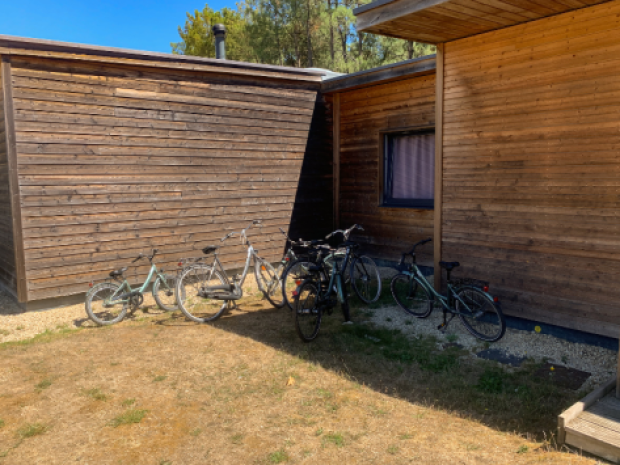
(597, 428)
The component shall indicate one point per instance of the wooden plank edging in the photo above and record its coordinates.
(572, 412)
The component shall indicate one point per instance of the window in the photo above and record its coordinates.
(409, 169)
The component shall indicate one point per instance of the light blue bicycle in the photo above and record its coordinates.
(107, 303)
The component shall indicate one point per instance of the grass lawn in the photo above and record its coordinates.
(246, 390)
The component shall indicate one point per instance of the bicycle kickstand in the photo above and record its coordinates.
(444, 325)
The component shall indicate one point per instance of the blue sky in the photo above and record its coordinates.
(136, 24)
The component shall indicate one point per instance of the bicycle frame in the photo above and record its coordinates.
(216, 263)
(336, 275)
(129, 292)
(447, 301)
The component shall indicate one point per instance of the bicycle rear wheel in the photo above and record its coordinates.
(411, 296)
(100, 309)
(480, 316)
(269, 283)
(366, 279)
(307, 311)
(191, 285)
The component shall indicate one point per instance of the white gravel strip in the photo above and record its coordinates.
(540, 347)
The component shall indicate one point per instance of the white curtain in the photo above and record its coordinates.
(413, 167)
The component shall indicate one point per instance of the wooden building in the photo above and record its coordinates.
(369, 106)
(106, 153)
(527, 119)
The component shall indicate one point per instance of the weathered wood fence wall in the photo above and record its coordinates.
(115, 158)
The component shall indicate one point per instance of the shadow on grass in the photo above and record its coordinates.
(418, 369)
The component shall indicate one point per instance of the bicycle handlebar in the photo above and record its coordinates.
(150, 257)
(242, 232)
(346, 233)
(412, 251)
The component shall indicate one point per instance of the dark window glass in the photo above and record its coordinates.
(409, 169)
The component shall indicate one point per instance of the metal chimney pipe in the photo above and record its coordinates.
(219, 31)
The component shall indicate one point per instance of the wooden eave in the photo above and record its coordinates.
(24, 47)
(438, 21)
(403, 70)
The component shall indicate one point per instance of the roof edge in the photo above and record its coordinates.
(403, 69)
(44, 45)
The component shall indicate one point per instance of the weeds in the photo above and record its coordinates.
(522, 449)
(159, 378)
(128, 402)
(237, 439)
(31, 429)
(393, 450)
(43, 385)
(1, 423)
(128, 417)
(278, 456)
(333, 438)
(95, 394)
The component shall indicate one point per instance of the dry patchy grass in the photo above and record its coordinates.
(164, 390)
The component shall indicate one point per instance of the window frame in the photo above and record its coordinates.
(418, 204)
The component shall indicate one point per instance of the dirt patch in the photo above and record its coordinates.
(246, 390)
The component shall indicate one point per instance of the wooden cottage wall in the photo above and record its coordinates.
(7, 251)
(114, 161)
(531, 166)
(364, 113)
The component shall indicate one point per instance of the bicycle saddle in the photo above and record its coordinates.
(116, 273)
(210, 249)
(449, 265)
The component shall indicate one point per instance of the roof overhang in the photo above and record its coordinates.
(396, 71)
(438, 21)
(22, 46)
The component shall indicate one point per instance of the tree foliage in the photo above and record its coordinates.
(300, 33)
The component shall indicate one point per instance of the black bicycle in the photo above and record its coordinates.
(362, 274)
(317, 295)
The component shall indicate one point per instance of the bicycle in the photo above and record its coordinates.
(316, 295)
(297, 264)
(205, 291)
(366, 282)
(478, 311)
(363, 275)
(107, 303)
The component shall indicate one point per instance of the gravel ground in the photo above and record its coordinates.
(538, 346)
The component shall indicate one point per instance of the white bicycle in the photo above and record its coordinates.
(204, 291)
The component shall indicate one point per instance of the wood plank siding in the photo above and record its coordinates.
(8, 276)
(364, 114)
(532, 169)
(116, 159)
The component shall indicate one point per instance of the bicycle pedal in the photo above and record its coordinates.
(442, 327)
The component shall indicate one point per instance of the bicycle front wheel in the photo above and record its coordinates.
(101, 308)
(307, 311)
(366, 279)
(411, 296)
(191, 287)
(479, 314)
(269, 282)
(163, 293)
